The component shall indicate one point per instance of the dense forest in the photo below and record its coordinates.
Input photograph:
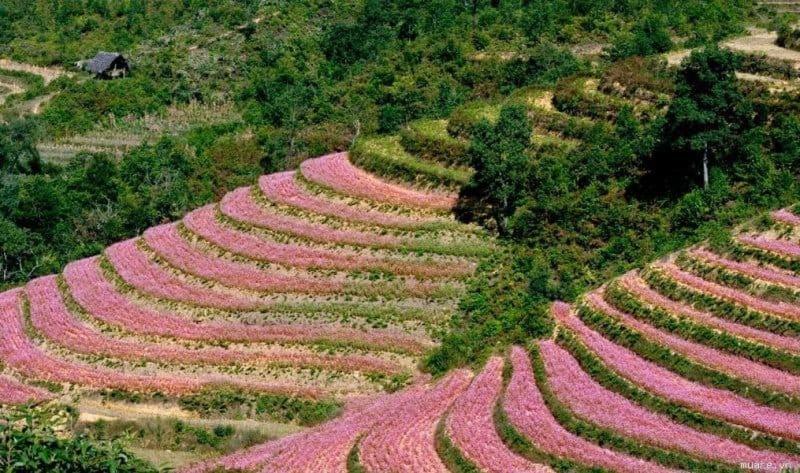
(662, 157)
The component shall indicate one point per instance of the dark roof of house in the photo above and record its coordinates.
(102, 61)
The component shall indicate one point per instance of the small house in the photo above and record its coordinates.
(107, 65)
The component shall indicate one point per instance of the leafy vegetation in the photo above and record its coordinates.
(29, 443)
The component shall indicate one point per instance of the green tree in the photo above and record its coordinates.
(497, 153)
(707, 117)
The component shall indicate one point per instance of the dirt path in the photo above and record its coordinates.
(48, 74)
(92, 410)
(762, 41)
(8, 88)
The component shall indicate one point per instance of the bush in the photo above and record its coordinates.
(788, 37)
(27, 445)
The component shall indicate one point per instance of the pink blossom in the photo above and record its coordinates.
(283, 188)
(786, 216)
(203, 222)
(21, 354)
(50, 316)
(636, 286)
(336, 172)
(590, 401)
(737, 366)
(137, 269)
(240, 205)
(102, 300)
(781, 247)
(470, 425)
(167, 242)
(662, 382)
(528, 413)
(322, 449)
(740, 297)
(406, 441)
(765, 273)
(15, 392)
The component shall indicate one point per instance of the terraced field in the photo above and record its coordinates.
(321, 286)
(119, 135)
(690, 364)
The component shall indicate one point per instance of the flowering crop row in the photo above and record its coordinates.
(50, 316)
(714, 402)
(137, 269)
(772, 275)
(633, 283)
(336, 172)
(203, 222)
(470, 425)
(406, 441)
(167, 242)
(240, 205)
(528, 412)
(778, 308)
(786, 216)
(100, 298)
(323, 449)
(19, 352)
(282, 188)
(737, 366)
(15, 392)
(587, 399)
(781, 247)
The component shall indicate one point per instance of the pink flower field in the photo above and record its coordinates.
(528, 412)
(471, 428)
(301, 314)
(336, 172)
(740, 297)
(636, 286)
(737, 366)
(714, 402)
(282, 188)
(587, 399)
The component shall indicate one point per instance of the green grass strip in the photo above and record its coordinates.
(684, 327)
(449, 454)
(612, 381)
(624, 336)
(719, 307)
(607, 438)
(385, 156)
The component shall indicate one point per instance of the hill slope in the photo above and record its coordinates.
(314, 288)
(692, 363)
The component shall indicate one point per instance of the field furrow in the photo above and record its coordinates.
(470, 425)
(527, 411)
(714, 402)
(583, 396)
(336, 172)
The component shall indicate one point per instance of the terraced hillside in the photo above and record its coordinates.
(690, 364)
(307, 291)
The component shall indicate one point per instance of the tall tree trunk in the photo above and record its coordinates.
(705, 167)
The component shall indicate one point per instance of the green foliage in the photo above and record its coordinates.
(648, 36)
(708, 116)
(497, 154)
(227, 401)
(55, 215)
(27, 444)
(788, 37)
